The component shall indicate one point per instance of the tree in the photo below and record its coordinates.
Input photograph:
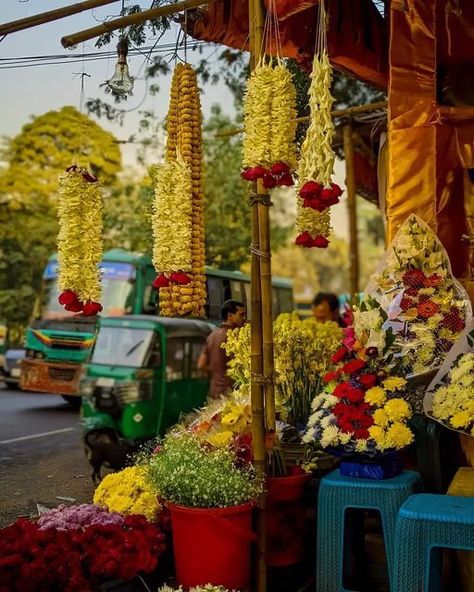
(32, 163)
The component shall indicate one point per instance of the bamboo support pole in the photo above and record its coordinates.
(358, 110)
(131, 19)
(348, 141)
(51, 15)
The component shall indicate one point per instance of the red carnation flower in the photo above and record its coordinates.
(91, 308)
(304, 240)
(427, 309)
(330, 376)
(367, 380)
(412, 292)
(339, 355)
(279, 168)
(254, 173)
(355, 395)
(341, 390)
(67, 297)
(180, 278)
(314, 203)
(406, 303)
(269, 181)
(285, 180)
(433, 281)
(414, 278)
(320, 241)
(336, 190)
(353, 366)
(361, 434)
(310, 189)
(161, 281)
(453, 321)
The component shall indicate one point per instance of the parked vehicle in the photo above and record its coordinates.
(10, 367)
(141, 377)
(58, 343)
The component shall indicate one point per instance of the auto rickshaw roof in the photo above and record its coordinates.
(171, 326)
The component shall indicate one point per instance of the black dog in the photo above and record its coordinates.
(103, 449)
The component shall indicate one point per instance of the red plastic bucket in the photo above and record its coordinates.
(212, 545)
(286, 515)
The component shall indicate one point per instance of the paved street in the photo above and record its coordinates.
(41, 455)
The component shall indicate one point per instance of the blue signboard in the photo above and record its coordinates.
(109, 270)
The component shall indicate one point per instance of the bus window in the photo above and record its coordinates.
(215, 292)
(237, 291)
(285, 300)
(149, 300)
(174, 359)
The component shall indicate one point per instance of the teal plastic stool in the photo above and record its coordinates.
(337, 494)
(426, 524)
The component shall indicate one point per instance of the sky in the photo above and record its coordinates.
(35, 90)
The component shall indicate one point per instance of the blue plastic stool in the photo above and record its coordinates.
(337, 494)
(426, 523)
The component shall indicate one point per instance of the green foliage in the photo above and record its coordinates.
(192, 474)
(32, 163)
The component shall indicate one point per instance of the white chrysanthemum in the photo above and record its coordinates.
(330, 436)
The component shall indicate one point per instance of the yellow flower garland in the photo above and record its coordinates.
(80, 245)
(317, 155)
(270, 124)
(185, 139)
(171, 218)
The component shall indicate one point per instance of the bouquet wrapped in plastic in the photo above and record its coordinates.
(450, 396)
(427, 308)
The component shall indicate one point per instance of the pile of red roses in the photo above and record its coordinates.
(278, 175)
(34, 560)
(353, 414)
(319, 198)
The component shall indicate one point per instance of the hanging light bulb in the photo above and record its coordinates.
(121, 82)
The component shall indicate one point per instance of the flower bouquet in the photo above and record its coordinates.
(77, 549)
(450, 397)
(426, 306)
(359, 413)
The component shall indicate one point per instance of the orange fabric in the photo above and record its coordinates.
(425, 173)
(287, 8)
(356, 36)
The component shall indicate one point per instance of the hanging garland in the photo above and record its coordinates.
(270, 125)
(80, 211)
(185, 294)
(315, 168)
(171, 222)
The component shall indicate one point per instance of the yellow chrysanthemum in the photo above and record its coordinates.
(397, 409)
(377, 433)
(380, 417)
(375, 396)
(461, 419)
(399, 435)
(394, 383)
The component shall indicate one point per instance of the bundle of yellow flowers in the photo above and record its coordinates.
(302, 355)
(315, 167)
(453, 401)
(128, 492)
(270, 125)
(183, 293)
(80, 244)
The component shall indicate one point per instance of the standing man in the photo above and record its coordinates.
(213, 358)
(325, 308)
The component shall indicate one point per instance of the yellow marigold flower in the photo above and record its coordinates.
(397, 409)
(399, 435)
(380, 417)
(394, 383)
(461, 419)
(375, 396)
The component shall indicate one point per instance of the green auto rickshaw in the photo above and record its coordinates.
(141, 377)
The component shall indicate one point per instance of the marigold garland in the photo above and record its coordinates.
(315, 167)
(171, 218)
(80, 246)
(270, 126)
(180, 296)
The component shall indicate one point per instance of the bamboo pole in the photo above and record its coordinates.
(357, 110)
(131, 19)
(348, 141)
(51, 15)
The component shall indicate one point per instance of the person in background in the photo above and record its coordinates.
(213, 358)
(325, 308)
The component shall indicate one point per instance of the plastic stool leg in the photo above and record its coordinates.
(329, 544)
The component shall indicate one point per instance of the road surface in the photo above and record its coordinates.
(41, 455)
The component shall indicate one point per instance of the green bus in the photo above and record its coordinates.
(58, 343)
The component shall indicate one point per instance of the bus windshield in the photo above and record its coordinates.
(121, 346)
(117, 291)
